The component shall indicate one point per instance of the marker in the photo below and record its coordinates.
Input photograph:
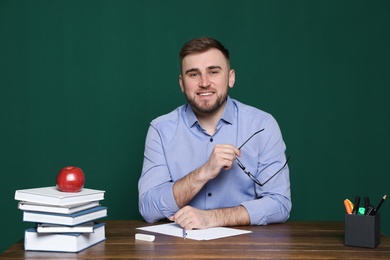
(184, 233)
(356, 205)
(348, 206)
(380, 204)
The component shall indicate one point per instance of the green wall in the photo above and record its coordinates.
(81, 80)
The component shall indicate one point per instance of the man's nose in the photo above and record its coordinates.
(204, 81)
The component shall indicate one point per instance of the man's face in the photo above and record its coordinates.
(205, 81)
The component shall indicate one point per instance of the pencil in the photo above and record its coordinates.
(380, 204)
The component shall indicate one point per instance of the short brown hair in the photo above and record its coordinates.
(203, 44)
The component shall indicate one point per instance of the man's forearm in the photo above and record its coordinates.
(185, 189)
(236, 216)
(190, 218)
(222, 157)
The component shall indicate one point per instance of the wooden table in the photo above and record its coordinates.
(291, 240)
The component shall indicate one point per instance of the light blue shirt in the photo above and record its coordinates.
(176, 144)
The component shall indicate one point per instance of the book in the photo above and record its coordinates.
(53, 196)
(51, 228)
(57, 209)
(66, 219)
(69, 242)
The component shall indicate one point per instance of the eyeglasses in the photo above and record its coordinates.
(250, 175)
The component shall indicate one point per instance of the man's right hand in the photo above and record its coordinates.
(222, 157)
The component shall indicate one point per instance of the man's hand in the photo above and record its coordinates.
(222, 157)
(190, 218)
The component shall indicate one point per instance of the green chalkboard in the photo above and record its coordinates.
(81, 80)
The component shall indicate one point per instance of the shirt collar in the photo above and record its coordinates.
(227, 115)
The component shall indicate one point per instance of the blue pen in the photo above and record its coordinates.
(184, 233)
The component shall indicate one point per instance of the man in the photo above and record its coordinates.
(198, 157)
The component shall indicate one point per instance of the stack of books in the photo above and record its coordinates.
(64, 221)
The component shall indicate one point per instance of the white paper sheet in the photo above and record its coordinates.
(173, 229)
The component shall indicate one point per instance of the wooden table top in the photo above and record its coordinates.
(291, 240)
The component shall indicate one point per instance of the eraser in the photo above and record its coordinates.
(143, 237)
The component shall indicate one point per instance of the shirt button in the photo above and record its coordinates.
(209, 194)
(211, 139)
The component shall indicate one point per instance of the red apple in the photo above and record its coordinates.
(70, 179)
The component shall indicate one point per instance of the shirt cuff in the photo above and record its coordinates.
(265, 211)
(166, 201)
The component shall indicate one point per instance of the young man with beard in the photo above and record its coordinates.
(213, 161)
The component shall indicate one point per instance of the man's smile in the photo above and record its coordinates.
(208, 93)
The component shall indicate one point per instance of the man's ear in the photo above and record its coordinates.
(232, 78)
(181, 83)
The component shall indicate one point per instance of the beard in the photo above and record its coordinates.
(209, 106)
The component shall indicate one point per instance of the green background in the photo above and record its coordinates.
(81, 80)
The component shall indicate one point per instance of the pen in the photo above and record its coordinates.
(366, 202)
(184, 233)
(369, 211)
(380, 204)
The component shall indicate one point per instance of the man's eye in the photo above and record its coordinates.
(193, 74)
(214, 72)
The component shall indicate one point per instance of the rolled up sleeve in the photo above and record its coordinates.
(156, 200)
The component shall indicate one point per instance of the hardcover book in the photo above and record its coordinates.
(67, 242)
(66, 219)
(51, 228)
(53, 196)
(57, 209)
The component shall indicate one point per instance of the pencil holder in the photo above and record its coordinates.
(362, 230)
